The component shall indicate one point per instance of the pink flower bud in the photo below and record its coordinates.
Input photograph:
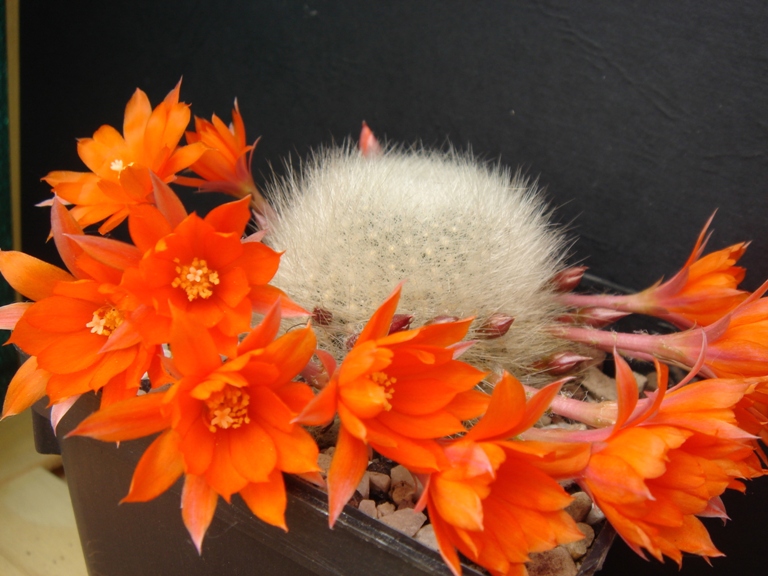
(445, 319)
(563, 363)
(400, 322)
(495, 326)
(321, 316)
(369, 145)
(566, 280)
(594, 317)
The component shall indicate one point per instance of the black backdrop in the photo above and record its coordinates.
(640, 118)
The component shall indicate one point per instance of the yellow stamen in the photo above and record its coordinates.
(118, 165)
(105, 320)
(195, 279)
(228, 408)
(386, 382)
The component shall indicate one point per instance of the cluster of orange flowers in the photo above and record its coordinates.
(230, 404)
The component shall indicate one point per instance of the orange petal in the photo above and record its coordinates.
(159, 467)
(198, 505)
(194, 351)
(26, 387)
(109, 252)
(537, 405)
(168, 202)
(222, 475)
(444, 541)
(322, 408)
(296, 450)
(29, 276)
(626, 389)
(347, 468)
(10, 314)
(458, 503)
(425, 426)
(126, 420)
(267, 500)
(468, 405)
(264, 333)
(378, 325)
(263, 298)
(506, 409)
(231, 216)
(253, 452)
(62, 224)
(147, 225)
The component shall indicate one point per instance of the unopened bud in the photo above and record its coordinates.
(593, 317)
(321, 316)
(495, 326)
(315, 374)
(566, 280)
(400, 322)
(442, 320)
(369, 145)
(563, 363)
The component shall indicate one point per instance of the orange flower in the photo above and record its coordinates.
(226, 426)
(120, 164)
(497, 501)
(669, 462)
(225, 166)
(396, 393)
(752, 412)
(703, 291)
(202, 268)
(77, 331)
(736, 346)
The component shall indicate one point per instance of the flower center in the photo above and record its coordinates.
(118, 165)
(105, 320)
(228, 408)
(386, 383)
(195, 279)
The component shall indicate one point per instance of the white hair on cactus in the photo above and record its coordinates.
(468, 239)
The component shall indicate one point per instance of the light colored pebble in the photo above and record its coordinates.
(580, 506)
(403, 494)
(426, 535)
(365, 486)
(380, 482)
(405, 521)
(384, 509)
(324, 463)
(652, 382)
(402, 474)
(555, 562)
(601, 386)
(330, 450)
(544, 421)
(595, 515)
(368, 507)
(579, 549)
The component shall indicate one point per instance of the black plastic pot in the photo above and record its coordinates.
(150, 538)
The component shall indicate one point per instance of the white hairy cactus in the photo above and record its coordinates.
(467, 239)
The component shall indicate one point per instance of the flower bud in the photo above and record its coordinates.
(369, 145)
(444, 319)
(594, 317)
(562, 363)
(566, 280)
(321, 316)
(495, 326)
(400, 322)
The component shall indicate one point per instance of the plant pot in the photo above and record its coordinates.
(149, 538)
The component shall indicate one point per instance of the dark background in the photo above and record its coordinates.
(639, 118)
